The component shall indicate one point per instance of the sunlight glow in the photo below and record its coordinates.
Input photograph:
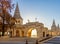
(34, 33)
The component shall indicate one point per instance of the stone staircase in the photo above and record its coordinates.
(55, 40)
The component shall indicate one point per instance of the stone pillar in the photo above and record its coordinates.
(25, 33)
(14, 32)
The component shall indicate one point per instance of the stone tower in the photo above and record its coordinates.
(53, 27)
(17, 16)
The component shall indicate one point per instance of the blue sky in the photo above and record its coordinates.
(44, 10)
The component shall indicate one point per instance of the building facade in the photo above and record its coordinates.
(55, 29)
(30, 29)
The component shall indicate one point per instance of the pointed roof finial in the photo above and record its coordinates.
(17, 13)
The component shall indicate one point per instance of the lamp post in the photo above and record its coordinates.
(36, 41)
(26, 42)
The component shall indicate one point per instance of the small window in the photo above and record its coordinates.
(18, 21)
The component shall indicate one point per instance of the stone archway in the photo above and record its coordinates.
(29, 33)
(32, 32)
(17, 33)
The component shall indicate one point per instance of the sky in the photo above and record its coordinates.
(44, 10)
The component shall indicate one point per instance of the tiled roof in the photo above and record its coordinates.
(17, 13)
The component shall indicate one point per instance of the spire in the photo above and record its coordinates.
(53, 27)
(17, 13)
(53, 23)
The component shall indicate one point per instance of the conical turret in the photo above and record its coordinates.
(53, 27)
(17, 16)
(17, 13)
(53, 23)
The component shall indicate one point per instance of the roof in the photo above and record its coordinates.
(17, 13)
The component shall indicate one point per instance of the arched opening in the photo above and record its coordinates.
(17, 33)
(10, 33)
(43, 34)
(29, 33)
(22, 33)
(32, 33)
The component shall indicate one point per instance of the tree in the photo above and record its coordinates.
(5, 6)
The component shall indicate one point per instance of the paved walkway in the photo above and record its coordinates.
(17, 40)
(55, 40)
